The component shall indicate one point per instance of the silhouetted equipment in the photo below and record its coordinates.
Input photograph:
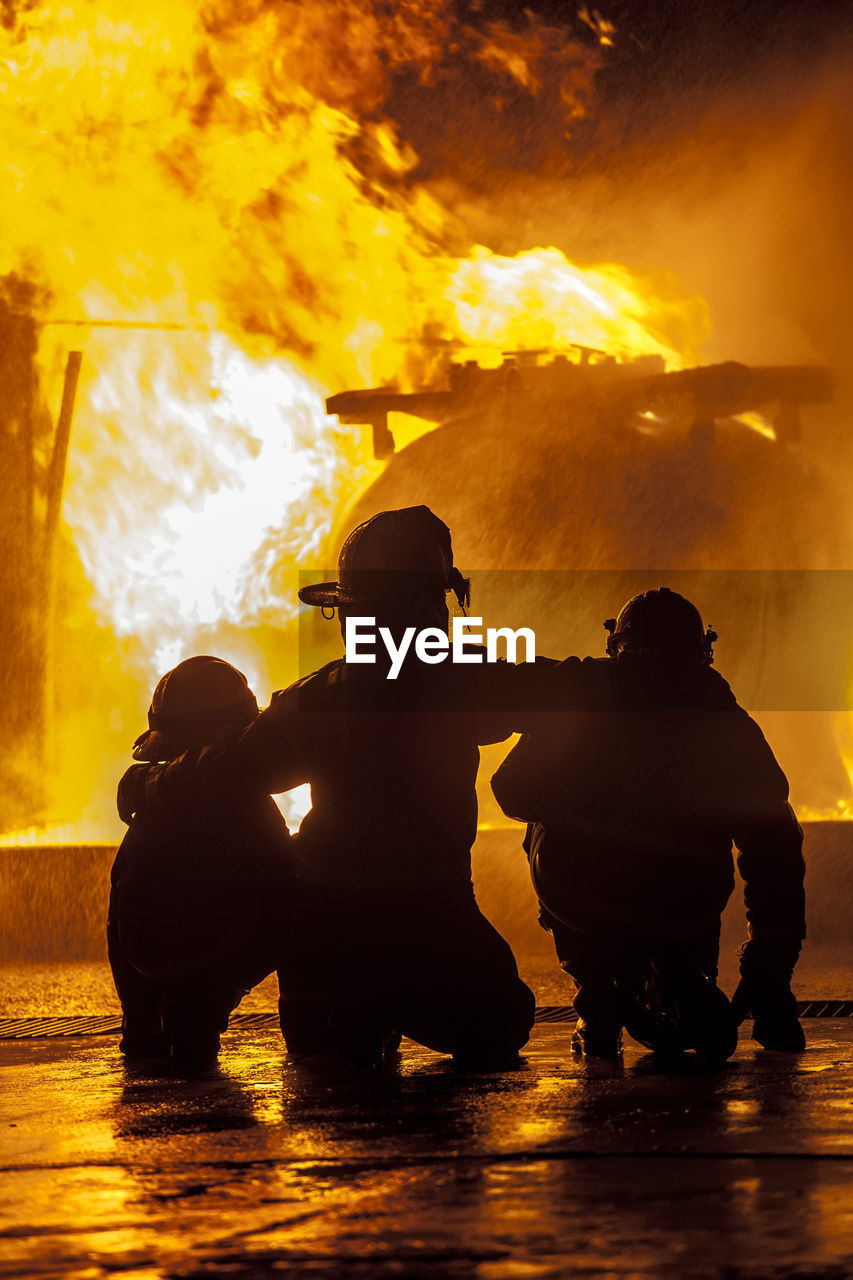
(532, 380)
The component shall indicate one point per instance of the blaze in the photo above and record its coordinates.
(224, 222)
(540, 299)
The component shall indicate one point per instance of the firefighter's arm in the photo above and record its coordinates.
(267, 756)
(130, 797)
(528, 783)
(273, 752)
(521, 783)
(522, 697)
(155, 790)
(770, 860)
(493, 697)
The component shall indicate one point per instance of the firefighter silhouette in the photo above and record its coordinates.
(199, 883)
(635, 788)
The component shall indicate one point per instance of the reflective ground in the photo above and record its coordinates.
(825, 970)
(554, 1170)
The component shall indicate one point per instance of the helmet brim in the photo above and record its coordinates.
(328, 595)
(155, 745)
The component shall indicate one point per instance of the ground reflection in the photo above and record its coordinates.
(550, 1170)
(161, 1107)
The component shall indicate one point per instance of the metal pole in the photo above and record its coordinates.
(59, 457)
(55, 486)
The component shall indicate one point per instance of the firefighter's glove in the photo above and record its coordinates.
(765, 992)
(131, 792)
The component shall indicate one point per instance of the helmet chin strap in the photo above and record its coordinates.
(461, 587)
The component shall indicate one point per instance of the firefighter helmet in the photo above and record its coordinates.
(394, 553)
(663, 621)
(200, 695)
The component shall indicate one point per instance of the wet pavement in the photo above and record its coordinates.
(554, 1170)
(557, 1169)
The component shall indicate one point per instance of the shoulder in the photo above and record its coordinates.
(308, 691)
(581, 680)
(548, 686)
(585, 668)
(717, 691)
(747, 743)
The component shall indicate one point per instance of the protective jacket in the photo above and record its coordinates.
(636, 787)
(197, 885)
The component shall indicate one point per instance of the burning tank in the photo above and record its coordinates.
(571, 479)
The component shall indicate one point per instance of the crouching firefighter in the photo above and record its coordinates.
(634, 795)
(198, 887)
(386, 846)
(391, 938)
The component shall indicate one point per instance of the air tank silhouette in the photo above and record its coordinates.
(572, 483)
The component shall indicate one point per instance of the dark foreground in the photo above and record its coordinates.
(555, 1170)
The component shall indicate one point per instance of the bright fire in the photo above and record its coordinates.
(225, 174)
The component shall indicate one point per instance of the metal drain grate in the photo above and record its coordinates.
(555, 1013)
(106, 1025)
(110, 1024)
(34, 1028)
(825, 1008)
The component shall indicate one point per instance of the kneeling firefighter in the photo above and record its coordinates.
(200, 889)
(634, 793)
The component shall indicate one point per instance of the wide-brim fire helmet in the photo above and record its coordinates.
(193, 704)
(660, 621)
(394, 554)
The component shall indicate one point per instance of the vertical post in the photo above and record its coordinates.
(53, 508)
(59, 456)
(21, 668)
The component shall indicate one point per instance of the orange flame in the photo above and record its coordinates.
(227, 170)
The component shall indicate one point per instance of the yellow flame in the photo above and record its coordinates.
(74, 833)
(540, 299)
(208, 169)
(602, 27)
(224, 471)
